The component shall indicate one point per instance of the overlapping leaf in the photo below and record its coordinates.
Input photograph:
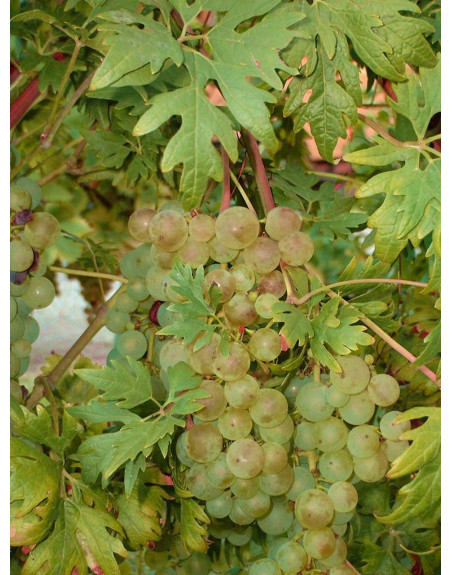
(193, 522)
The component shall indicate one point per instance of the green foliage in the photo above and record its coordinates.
(193, 521)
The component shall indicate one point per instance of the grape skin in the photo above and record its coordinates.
(314, 509)
(296, 249)
(280, 434)
(303, 480)
(204, 442)
(383, 390)
(336, 466)
(371, 469)
(262, 256)
(355, 376)
(237, 227)
(270, 408)
(215, 405)
(235, 366)
(344, 496)
(264, 567)
(281, 221)
(291, 557)
(139, 224)
(363, 441)
(392, 431)
(242, 393)
(276, 483)
(245, 458)
(21, 256)
(265, 344)
(312, 402)
(202, 228)
(359, 409)
(319, 543)
(168, 230)
(43, 231)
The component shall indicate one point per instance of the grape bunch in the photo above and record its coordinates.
(32, 232)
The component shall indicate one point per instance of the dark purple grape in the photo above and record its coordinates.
(153, 312)
(35, 263)
(23, 217)
(18, 278)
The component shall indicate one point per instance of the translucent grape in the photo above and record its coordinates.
(12, 308)
(314, 509)
(264, 567)
(197, 564)
(125, 303)
(240, 538)
(128, 267)
(239, 514)
(305, 436)
(276, 483)
(273, 545)
(21, 348)
(383, 390)
(275, 458)
(168, 230)
(15, 390)
(116, 321)
(218, 472)
(43, 231)
(19, 199)
(292, 389)
(40, 293)
(165, 316)
(201, 360)
(193, 253)
(237, 227)
(204, 442)
(202, 228)
(264, 305)
(161, 258)
(338, 556)
(240, 310)
(143, 259)
(359, 409)
(17, 290)
(339, 529)
(16, 328)
(336, 466)
(137, 290)
(343, 518)
(363, 441)
(21, 256)
(391, 430)
(139, 224)
(221, 506)
(235, 423)
(278, 520)
(156, 279)
(272, 283)
(14, 365)
(181, 450)
(244, 278)
(344, 496)
(281, 433)
(31, 329)
(245, 458)
(282, 221)
(245, 488)
(224, 280)
(296, 249)
(319, 543)
(242, 393)
(355, 376)
(132, 343)
(312, 402)
(197, 483)
(256, 505)
(291, 557)
(393, 449)
(23, 309)
(336, 398)
(262, 256)
(214, 405)
(331, 434)
(342, 570)
(270, 408)
(220, 253)
(24, 364)
(265, 344)
(372, 468)
(302, 481)
(235, 366)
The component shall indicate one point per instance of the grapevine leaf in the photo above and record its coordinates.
(193, 520)
(130, 384)
(188, 330)
(382, 154)
(188, 403)
(131, 470)
(432, 347)
(381, 561)
(192, 289)
(182, 377)
(296, 325)
(97, 412)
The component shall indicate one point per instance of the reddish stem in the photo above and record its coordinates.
(24, 102)
(265, 192)
(14, 73)
(226, 196)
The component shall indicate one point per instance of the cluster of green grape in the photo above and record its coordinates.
(31, 233)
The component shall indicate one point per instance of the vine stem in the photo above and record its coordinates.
(352, 568)
(53, 406)
(263, 186)
(84, 273)
(226, 195)
(242, 191)
(304, 299)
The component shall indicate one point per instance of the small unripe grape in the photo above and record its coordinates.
(221, 506)
(296, 249)
(21, 256)
(278, 520)
(14, 365)
(162, 259)
(359, 409)
(302, 481)
(262, 256)
(245, 488)
(43, 231)
(383, 390)
(281, 433)
(291, 557)
(202, 228)
(125, 303)
(21, 348)
(305, 437)
(336, 398)
(270, 408)
(372, 468)
(201, 360)
(312, 402)
(337, 466)
(275, 458)
(31, 329)
(218, 472)
(265, 344)
(363, 441)
(264, 567)
(331, 434)
(282, 221)
(264, 304)
(344, 496)
(116, 321)
(19, 199)
(137, 290)
(139, 224)
(239, 514)
(394, 449)
(235, 423)
(237, 227)
(257, 505)
(276, 483)
(197, 483)
(338, 556)
(168, 230)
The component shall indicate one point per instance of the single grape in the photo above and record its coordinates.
(272, 283)
(276, 483)
(336, 398)
(296, 249)
(193, 253)
(168, 230)
(278, 520)
(338, 556)
(282, 221)
(235, 366)
(202, 228)
(156, 278)
(21, 348)
(242, 393)
(14, 365)
(125, 303)
(201, 360)
(132, 343)
(31, 329)
(245, 458)
(270, 408)
(343, 518)
(139, 224)
(220, 253)
(245, 488)
(344, 496)
(305, 436)
(281, 433)
(182, 453)
(273, 545)
(262, 256)
(240, 537)
(237, 227)
(235, 423)
(16, 390)
(137, 290)
(172, 352)
(331, 434)
(275, 458)
(221, 506)
(359, 409)
(40, 293)
(256, 505)
(291, 391)
(265, 344)
(19, 199)
(218, 472)
(24, 365)
(225, 282)
(383, 390)
(166, 316)
(214, 405)
(128, 267)
(371, 469)
(238, 514)
(319, 543)
(391, 430)
(16, 328)
(312, 402)
(339, 530)
(336, 466)
(264, 304)
(244, 278)
(302, 481)
(394, 449)
(23, 308)
(116, 321)
(354, 377)
(342, 570)
(264, 567)
(161, 258)
(19, 289)
(12, 308)
(314, 509)
(240, 310)
(197, 564)
(204, 442)
(197, 483)
(21, 255)
(363, 441)
(43, 231)
(39, 267)
(291, 557)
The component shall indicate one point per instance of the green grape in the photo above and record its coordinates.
(344, 496)
(125, 303)
(137, 290)
(168, 230)
(393, 449)
(237, 227)
(240, 538)
(371, 469)
(240, 310)
(305, 437)
(242, 393)
(265, 344)
(276, 483)
(363, 441)
(156, 278)
(15, 390)
(383, 390)
(43, 231)
(14, 365)
(292, 389)
(16, 328)
(312, 402)
(139, 224)
(32, 187)
(391, 430)
(165, 316)
(182, 453)
(225, 282)
(339, 530)
(220, 253)
(314, 509)
(235, 423)
(337, 398)
(343, 518)
(235, 366)
(12, 309)
(41, 267)
(359, 409)
(245, 488)
(214, 405)
(197, 483)
(291, 557)
(202, 228)
(273, 545)
(245, 458)
(319, 543)
(22, 308)
(272, 283)
(19, 199)
(342, 570)
(193, 253)
(173, 205)
(302, 481)
(40, 294)
(24, 365)
(331, 434)
(17, 290)
(281, 433)
(173, 351)
(143, 259)
(128, 267)
(146, 305)
(264, 567)
(264, 305)
(244, 278)
(296, 249)
(238, 514)
(275, 458)
(270, 408)
(156, 559)
(221, 506)
(338, 556)
(256, 505)
(132, 343)
(354, 377)
(162, 259)
(197, 564)
(21, 348)
(282, 221)
(21, 256)
(116, 321)
(201, 360)
(262, 256)
(336, 466)
(204, 443)
(218, 472)
(278, 520)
